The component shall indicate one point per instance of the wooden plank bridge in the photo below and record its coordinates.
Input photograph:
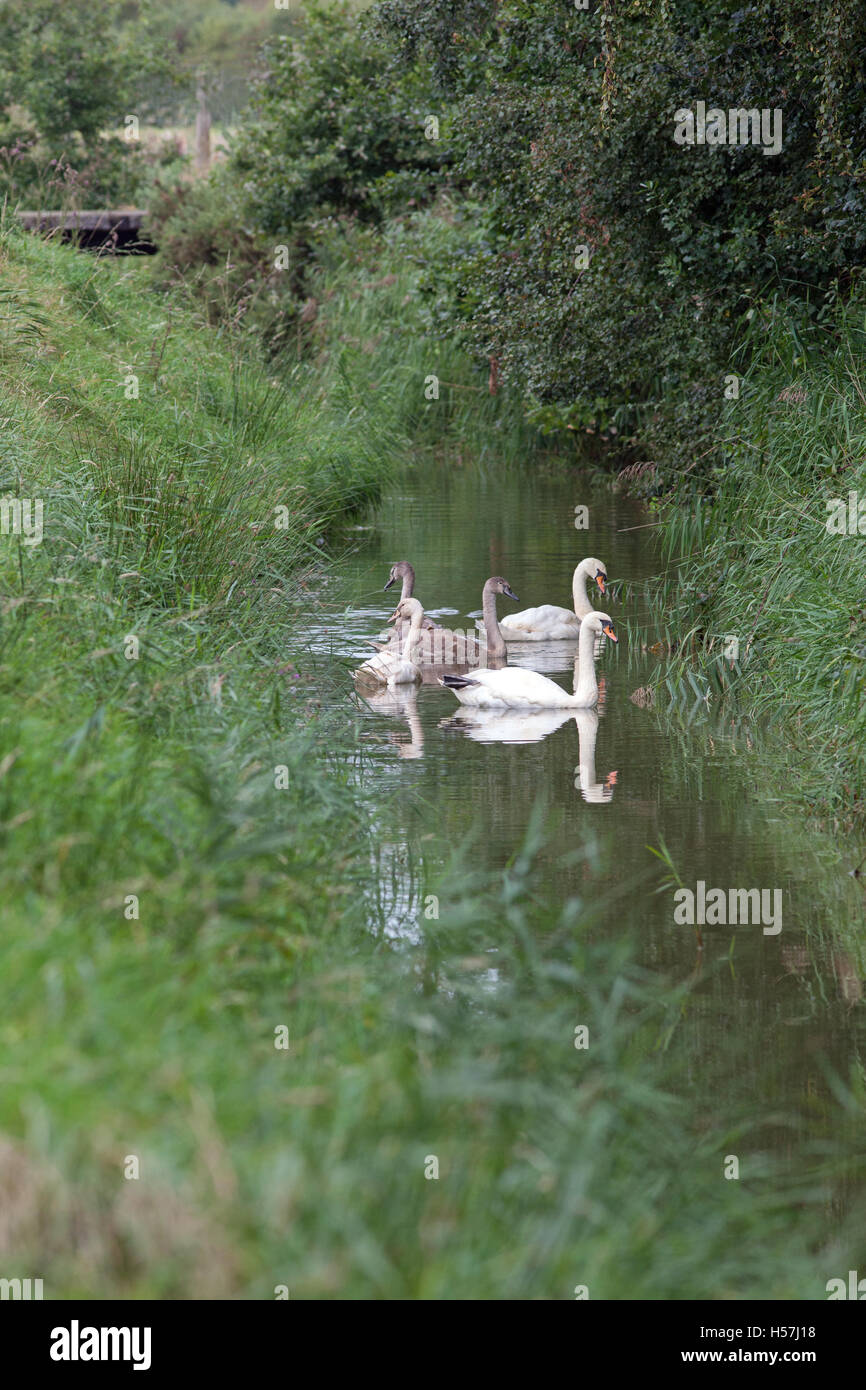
(103, 227)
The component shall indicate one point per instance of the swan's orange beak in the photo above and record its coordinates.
(607, 629)
(395, 615)
(600, 581)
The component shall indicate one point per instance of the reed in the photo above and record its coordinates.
(749, 556)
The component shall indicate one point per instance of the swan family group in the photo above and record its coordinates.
(417, 643)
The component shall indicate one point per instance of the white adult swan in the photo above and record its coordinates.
(516, 688)
(549, 623)
(397, 665)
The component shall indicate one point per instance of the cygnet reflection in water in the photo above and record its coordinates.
(401, 703)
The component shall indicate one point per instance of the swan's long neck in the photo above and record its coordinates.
(408, 583)
(585, 683)
(582, 604)
(412, 634)
(496, 649)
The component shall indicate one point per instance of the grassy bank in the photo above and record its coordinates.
(153, 875)
(169, 908)
(762, 552)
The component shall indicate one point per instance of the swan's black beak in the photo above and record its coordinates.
(509, 593)
(607, 629)
(601, 580)
(390, 582)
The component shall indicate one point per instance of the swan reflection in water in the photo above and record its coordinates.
(512, 726)
(585, 778)
(500, 726)
(507, 725)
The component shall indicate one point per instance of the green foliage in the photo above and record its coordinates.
(329, 132)
(756, 559)
(69, 65)
(69, 73)
(603, 266)
(214, 42)
(324, 140)
(563, 123)
(216, 35)
(371, 329)
(201, 224)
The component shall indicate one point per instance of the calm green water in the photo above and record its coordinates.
(784, 1007)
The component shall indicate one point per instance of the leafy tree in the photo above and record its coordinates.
(562, 124)
(330, 131)
(69, 73)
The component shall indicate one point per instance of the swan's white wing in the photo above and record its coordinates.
(513, 688)
(388, 668)
(545, 623)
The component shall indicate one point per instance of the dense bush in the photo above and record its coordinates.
(563, 122)
(69, 74)
(329, 132)
(326, 140)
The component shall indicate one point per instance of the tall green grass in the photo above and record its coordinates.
(375, 326)
(152, 874)
(355, 315)
(750, 556)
